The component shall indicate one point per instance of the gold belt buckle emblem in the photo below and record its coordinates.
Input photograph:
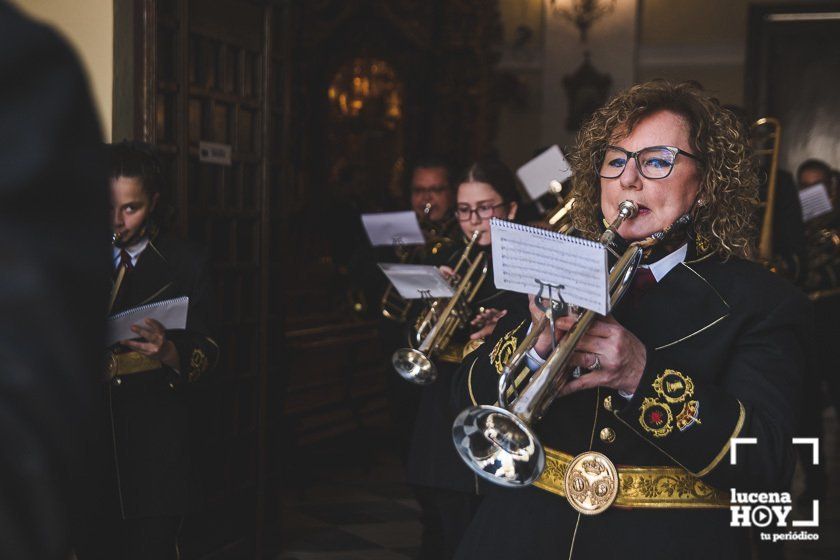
(591, 483)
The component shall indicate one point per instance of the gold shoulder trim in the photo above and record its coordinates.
(700, 259)
(738, 427)
(156, 250)
(154, 295)
(471, 347)
(709, 284)
(710, 325)
(469, 382)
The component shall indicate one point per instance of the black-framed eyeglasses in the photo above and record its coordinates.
(654, 162)
(483, 211)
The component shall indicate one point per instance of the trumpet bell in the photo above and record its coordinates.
(498, 446)
(414, 366)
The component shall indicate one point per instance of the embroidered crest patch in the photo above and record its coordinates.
(198, 364)
(673, 386)
(688, 416)
(503, 350)
(656, 418)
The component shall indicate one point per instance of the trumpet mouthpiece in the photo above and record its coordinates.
(428, 208)
(628, 209)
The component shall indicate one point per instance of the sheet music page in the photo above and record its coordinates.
(523, 254)
(539, 172)
(815, 202)
(172, 313)
(413, 281)
(393, 228)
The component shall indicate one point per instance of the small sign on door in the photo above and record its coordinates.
(210, 152)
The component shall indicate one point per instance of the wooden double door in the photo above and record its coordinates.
(268, 168)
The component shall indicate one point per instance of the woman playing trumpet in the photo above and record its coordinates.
(444, 486)
(705, 347)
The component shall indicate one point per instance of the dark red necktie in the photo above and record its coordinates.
(643, 281)
(125, 262)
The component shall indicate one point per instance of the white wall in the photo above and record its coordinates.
(89, 27)
(612, 44)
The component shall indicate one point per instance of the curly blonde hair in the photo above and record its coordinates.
(724, 223)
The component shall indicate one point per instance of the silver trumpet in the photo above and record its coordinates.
(435, 327)
(497, 442)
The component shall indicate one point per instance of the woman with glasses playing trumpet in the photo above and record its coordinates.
(632, 458)
(444, 486)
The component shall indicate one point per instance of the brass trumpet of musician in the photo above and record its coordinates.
(434, 327)
(560, 217)
(497, 442)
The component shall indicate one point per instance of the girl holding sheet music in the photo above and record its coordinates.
(140, 457)
(446, 490)
(705, 347)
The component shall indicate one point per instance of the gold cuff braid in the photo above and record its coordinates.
(641, 487)
(126, 363)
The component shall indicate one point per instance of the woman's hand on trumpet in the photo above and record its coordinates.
(485, 321)
(616, 357)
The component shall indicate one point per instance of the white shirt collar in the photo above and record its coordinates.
(133, 251)
(664, 265)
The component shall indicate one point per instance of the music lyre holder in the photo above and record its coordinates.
(555, 308)
(398, 243)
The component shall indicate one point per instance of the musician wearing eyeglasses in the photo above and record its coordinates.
(144, 466)
(706, 346)
(445, 488)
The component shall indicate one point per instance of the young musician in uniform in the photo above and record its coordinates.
(148, 482)
(445, 488)
(706, 346)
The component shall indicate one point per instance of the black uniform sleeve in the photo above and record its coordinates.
(754, 397)
(197, 350)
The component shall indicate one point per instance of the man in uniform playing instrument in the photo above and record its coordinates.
(432, 196)
(147, 482)
(707, 346)
(432, 199)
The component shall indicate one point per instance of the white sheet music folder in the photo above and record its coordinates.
(815, 202)
(523, 254)
(549, 166)
(412, 281)
(172, 313)
(393, 228)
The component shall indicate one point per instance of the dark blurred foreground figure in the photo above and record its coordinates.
(142, 459)
(706, 346)
(53, 243)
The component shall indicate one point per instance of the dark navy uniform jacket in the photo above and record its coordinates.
(147, 413)
(733, 331)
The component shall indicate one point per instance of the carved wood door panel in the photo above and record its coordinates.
(208, 79)
(254, 76)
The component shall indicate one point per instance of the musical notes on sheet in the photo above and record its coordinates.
(523, 255)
